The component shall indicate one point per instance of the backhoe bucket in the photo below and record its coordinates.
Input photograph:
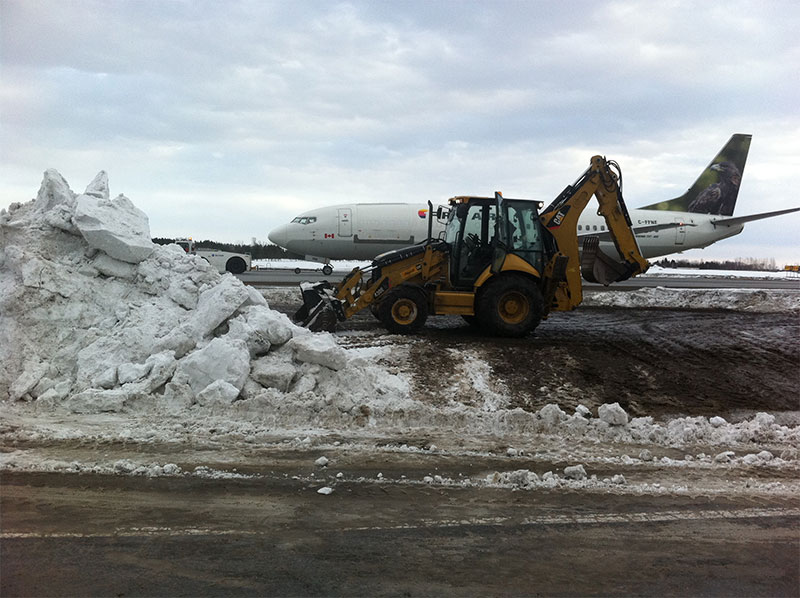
(317, 312)
(598, 267)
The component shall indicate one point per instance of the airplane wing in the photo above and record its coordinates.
(637, 230)
(742, 219)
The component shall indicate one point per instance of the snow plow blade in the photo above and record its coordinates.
(598, 267)
(318, 311)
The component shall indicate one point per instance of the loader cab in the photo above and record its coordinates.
(482, 231)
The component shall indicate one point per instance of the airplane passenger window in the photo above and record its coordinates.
(580, 227)
(595, 227)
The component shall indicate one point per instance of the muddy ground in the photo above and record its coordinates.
(689, 530)
(652, 361)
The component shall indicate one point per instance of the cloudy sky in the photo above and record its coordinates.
(223, 119)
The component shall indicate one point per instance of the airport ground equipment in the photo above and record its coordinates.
(502, 264)
(223, 261)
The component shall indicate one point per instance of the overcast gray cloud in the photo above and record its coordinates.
(224, 119)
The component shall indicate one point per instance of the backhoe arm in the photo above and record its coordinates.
(560, 218)
(613, 209)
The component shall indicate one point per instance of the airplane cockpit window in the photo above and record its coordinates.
(304, 220)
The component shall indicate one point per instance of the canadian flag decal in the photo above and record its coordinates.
(329, 235)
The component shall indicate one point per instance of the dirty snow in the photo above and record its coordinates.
(105, 338)
(750, 300)
(96, 318)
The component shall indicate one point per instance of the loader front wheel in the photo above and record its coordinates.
(404, 310)
(510, 306)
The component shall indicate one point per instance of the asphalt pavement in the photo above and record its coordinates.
(287, 277)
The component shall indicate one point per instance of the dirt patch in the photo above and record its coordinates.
(651, 361)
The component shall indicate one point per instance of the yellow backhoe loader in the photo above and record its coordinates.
(502, 264)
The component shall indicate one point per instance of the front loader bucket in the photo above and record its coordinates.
(598, 267)
(317, 312)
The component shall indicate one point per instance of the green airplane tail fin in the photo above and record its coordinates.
(716, 189)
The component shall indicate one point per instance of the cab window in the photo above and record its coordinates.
(524, 232)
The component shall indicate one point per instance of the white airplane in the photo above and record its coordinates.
(701, 216)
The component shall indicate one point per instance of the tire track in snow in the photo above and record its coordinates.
(539, 520)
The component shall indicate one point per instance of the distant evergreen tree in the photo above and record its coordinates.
(257, 251)
(744, 264)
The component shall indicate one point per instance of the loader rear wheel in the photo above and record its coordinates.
(510, 306)
(404, 310)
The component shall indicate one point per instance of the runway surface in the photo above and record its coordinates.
(287, 277)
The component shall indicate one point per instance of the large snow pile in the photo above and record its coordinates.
(94, 317)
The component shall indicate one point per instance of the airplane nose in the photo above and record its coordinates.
(279, 236)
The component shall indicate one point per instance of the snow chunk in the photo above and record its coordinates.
(54, 191)
(273, 371)
(321, 462)
(108, 266)
(219, 360)
(326, 490)
(97, 401)
(612, 414)
(725, 457)
(521, 478)
(261, 328)
(575, 472)
(130, 372)
(116, 227)
(552, 415)
(99, 186)
(717, 421)
(217, 304)
(319, 348)
(218, 392)
(27, 380)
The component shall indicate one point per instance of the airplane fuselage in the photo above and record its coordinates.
(701, 216)
(362, 231)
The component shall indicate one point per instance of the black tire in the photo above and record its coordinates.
(471, 320)
(374, 311)
(327, 270)
(297, 270)
(510, 306)
(236, 265)
(403, 310)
